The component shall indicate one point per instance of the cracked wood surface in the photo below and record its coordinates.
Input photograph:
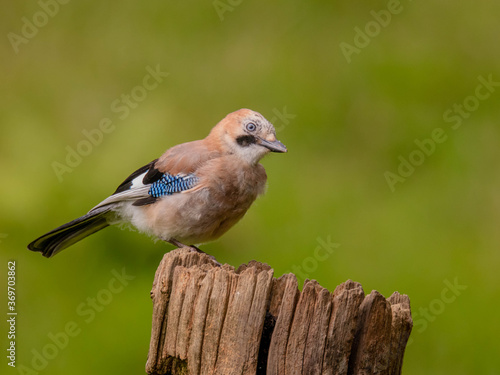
(212, 319)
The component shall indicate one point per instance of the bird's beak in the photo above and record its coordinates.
(274, 146)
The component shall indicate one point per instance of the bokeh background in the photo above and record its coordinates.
(347, 120)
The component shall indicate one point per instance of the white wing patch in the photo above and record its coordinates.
(137, 182)
(136, 191)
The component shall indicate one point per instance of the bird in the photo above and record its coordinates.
(192, 194)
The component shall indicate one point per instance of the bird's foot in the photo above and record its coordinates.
(179, 244)
(197, 249)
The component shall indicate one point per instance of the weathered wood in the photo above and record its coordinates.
(212, 319)
(400, 330)
(347, 298)
(371, 346)
(282, 309)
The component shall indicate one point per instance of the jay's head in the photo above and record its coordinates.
(247, 134)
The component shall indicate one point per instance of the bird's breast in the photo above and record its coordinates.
(225, 192)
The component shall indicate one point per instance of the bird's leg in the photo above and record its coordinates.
(174, 242)
(179, 244)
(197, 249)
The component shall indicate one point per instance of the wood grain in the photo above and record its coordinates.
(212, 319)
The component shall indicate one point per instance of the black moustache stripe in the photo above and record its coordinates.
(246, 140)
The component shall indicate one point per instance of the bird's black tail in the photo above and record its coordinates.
(66, 235)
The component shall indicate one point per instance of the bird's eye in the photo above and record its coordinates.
(251, 127)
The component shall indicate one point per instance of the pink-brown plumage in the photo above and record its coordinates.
(212, 207)
(192, 194)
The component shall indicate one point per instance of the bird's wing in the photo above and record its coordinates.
(129, 181)
(174, 172)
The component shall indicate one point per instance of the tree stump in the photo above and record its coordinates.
(212, 319)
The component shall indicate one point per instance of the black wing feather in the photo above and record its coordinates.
(125, 185)
(153, 175)
(144, 201)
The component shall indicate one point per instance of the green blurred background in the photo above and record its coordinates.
(345, 123)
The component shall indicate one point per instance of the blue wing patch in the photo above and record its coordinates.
(168, 185)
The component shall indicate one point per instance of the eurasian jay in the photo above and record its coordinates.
(192, 194)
